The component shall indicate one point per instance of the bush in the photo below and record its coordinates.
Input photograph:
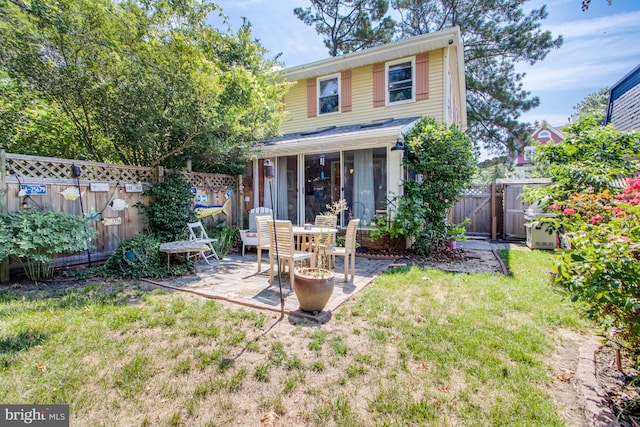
(227, 235)
(602, 268)
(443, 157)
(36, 236)
(140, 256)
(170, 208)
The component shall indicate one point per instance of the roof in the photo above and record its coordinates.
(377, 132)
(382, 53)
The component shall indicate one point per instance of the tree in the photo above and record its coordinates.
(144, 82)
(588, 161)
(497, 34)
(595, 104)
(443, 157)
(348, 24)
(30, 124)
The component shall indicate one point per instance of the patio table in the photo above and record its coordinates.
(182, 246)
(305, 235)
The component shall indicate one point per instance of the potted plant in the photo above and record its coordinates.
(456, 232)
(314, 285)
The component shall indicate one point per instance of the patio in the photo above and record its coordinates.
(235, 279)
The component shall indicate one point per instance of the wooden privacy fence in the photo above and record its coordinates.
(495, 209)
(50, 183)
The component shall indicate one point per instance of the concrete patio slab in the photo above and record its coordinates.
(235, 279)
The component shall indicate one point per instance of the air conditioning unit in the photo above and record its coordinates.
(538, 236)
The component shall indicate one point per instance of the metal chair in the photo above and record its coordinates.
(348, 251)
(198, 234)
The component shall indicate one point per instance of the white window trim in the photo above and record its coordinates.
(411, 59)
(321, 79)
(544, 134)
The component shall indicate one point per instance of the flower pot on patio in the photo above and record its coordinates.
(313, 288)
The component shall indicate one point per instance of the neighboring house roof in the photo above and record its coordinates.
(543, 134)
(624, 102)
(540, 137)
(320, 138)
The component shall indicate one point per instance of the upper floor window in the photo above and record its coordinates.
(544, 134)
(400, 81)
(328, 95)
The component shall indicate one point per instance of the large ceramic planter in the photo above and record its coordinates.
(313, 288)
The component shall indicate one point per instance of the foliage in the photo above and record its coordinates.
(144, 82)
(5, 238)
(602, 266)
(30, 124)
(348, 24)
(228, 237)
(492, 169)
(497, 34)
(37, 236)
(170, 208)
(140, 256)
(588, 160)
(595, 104)
(443, 157)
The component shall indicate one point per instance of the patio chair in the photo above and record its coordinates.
(349, 250)
(198, 234)
(250, 236)
(286, 248)
(263, 236)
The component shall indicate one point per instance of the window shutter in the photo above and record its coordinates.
(345, 89)
(422, 76)
(312, 98)
(378, 85)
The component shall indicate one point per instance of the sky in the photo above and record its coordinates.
(601, 45)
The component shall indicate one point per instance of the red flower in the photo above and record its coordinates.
(618, 211)
(555, 207)
(569, 211)
(596, 219)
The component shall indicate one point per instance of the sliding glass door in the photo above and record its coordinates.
(321, 183)
(365, 183)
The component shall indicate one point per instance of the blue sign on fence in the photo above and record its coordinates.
(34, 189)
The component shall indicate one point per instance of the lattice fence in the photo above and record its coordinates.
(34, 168)
(98, 185)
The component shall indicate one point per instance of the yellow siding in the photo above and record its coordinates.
(362, 101)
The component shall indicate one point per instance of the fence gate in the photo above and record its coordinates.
(514, 206)
(475, 205)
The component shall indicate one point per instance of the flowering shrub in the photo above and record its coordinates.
(602, 268)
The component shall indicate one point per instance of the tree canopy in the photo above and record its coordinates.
(143, 82)
(497, 34)
(348, 25)
(595, 104)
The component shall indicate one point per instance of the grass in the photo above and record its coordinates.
(419, 347)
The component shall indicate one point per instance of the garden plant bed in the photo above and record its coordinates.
(446, 259)
(621, 388)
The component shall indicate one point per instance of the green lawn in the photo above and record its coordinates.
(419, 347)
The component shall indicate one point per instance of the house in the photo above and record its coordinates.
(544, 134)
(624, 102)
(344, 117)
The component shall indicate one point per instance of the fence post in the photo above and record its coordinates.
(4, 264)
(494, 218)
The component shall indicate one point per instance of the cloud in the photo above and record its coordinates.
(612, 24)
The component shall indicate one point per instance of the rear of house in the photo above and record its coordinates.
(345, 116)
